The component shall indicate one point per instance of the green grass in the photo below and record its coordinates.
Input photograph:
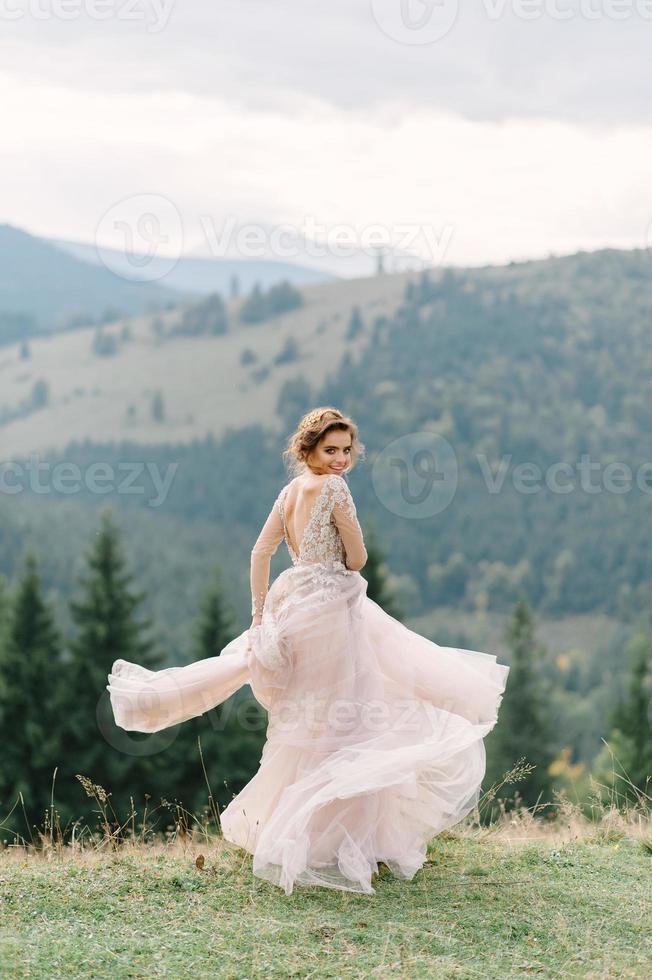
(484, 905)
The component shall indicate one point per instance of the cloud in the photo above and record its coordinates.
(491, 191)
(492, 64)
(507, 138)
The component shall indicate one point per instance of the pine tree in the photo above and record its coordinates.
(158, 407)
(522, 730)
(30, 670)
(4, 609)
(107, 628)
(631, 738)
(375, 572)
(356, 324)
(254, 307)
(215, 625)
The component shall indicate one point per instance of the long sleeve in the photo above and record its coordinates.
(345, 517)
(266, 544)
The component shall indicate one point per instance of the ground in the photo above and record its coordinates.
(483, 905)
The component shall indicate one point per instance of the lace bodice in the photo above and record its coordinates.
(332, 534)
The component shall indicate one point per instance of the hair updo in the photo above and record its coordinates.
(311, 429)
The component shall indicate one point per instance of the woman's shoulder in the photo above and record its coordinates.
(334, 480)
(316, 481)
(313, 485)
(338, 491)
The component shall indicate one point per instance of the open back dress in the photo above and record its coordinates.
(375, 733)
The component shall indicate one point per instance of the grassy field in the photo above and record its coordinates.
(516, 899)
(204, 385)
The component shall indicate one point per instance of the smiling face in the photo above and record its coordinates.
(332, 454)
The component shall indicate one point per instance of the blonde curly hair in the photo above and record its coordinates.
(311, 429)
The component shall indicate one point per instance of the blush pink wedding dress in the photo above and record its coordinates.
(375, 733)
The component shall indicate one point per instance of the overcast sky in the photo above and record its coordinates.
(476, 133)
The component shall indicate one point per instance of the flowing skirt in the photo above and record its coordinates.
(374, 737)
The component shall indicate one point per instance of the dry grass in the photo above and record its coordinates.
(522, 895)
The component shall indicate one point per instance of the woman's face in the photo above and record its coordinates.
(332, 454)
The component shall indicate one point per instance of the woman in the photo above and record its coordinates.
(375, 733)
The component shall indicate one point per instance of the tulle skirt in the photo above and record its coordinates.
(374, 737)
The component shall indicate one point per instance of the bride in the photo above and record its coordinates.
(375, 733)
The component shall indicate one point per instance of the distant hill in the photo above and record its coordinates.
(45, 289)
(531, 372)
(539, 377)
(203, 275)
(208, 382)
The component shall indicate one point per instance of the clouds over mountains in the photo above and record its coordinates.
(525, 126)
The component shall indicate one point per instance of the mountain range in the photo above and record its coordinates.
(51, 290)
(51, 285)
